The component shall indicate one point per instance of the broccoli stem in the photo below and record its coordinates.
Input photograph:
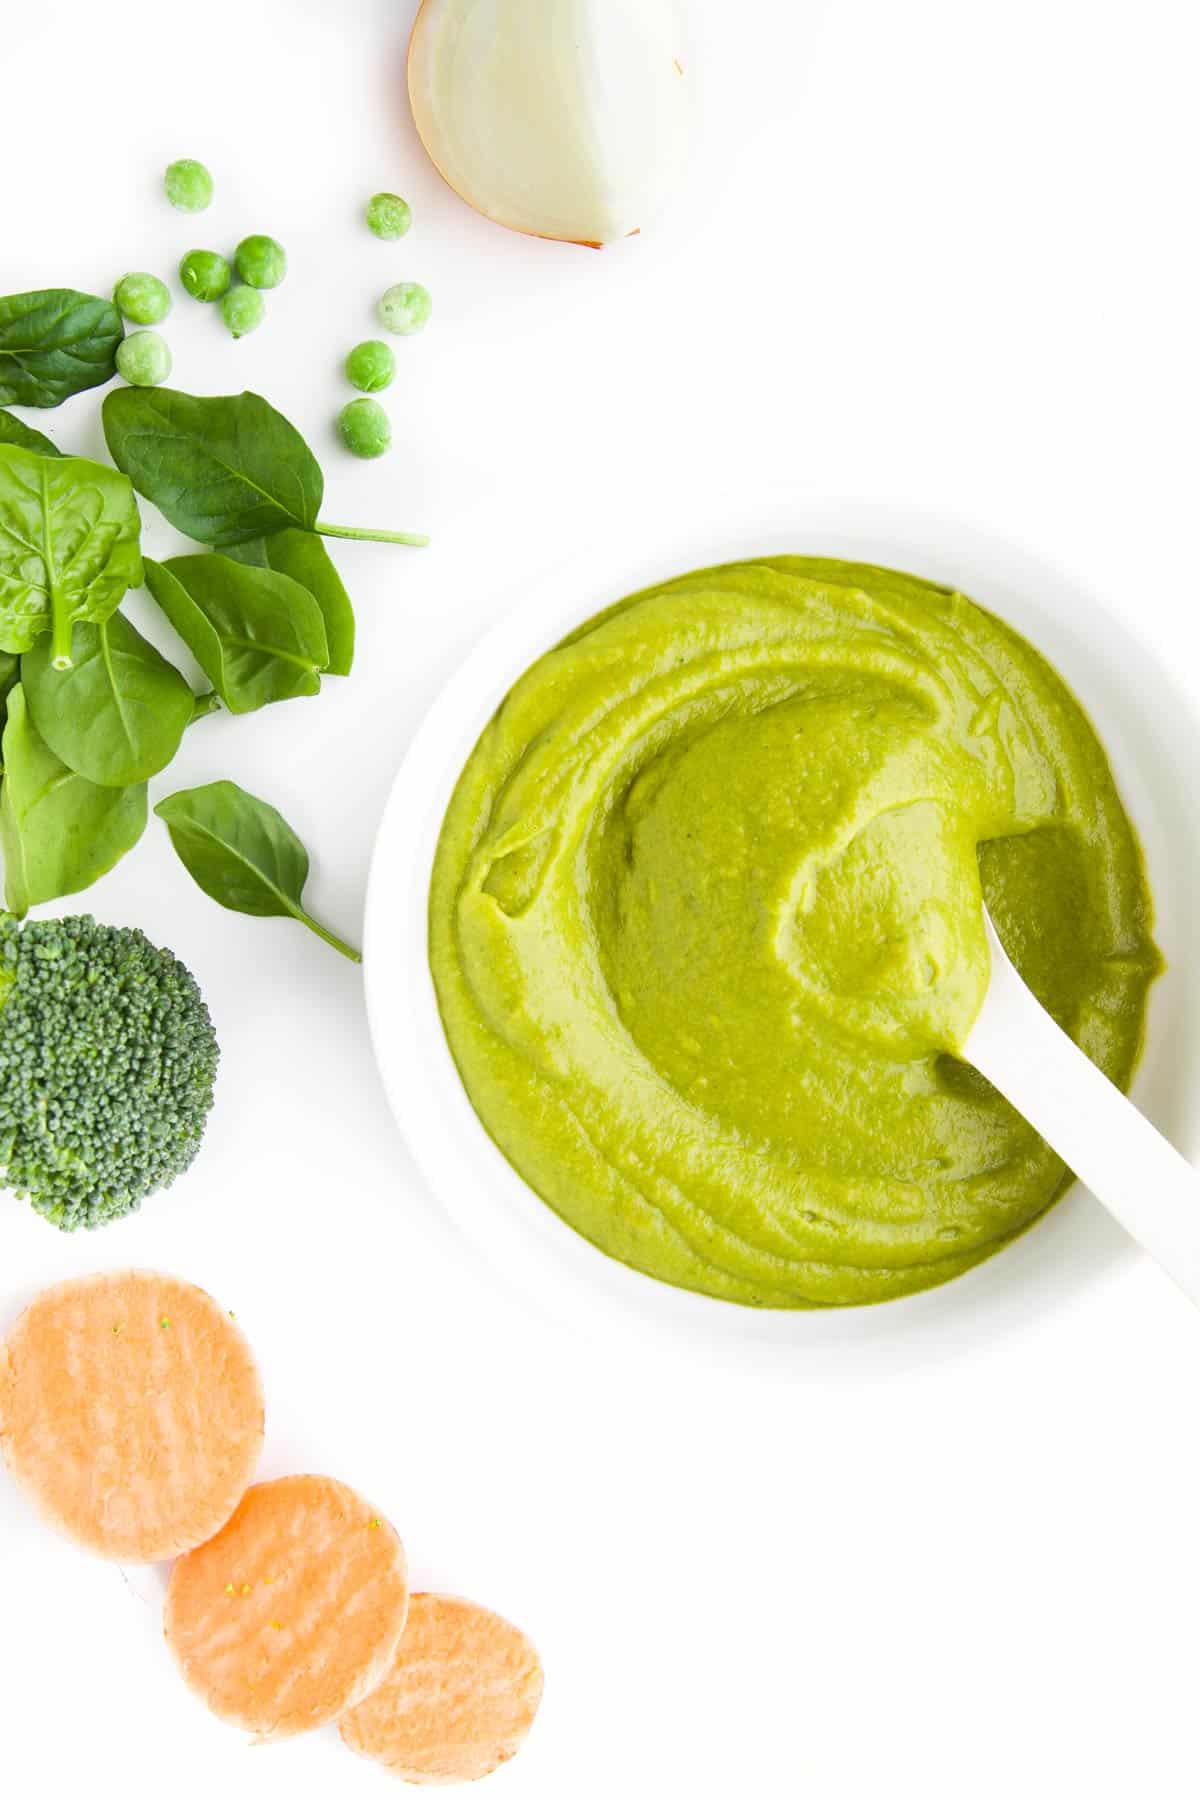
(416, 539)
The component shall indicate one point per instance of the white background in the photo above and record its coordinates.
(940, 253)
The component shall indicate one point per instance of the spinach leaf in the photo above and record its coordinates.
(15, 431)
(10, 674)
(69, 533)
(257, 635)
(303, 556)
(55, 343)
(223, 468)
(243, 854)
(59, 833)
(119, 714)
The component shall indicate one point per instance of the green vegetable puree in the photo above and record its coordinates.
(705, 927)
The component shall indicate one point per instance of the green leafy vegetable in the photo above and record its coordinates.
(258, 636)
(109, 1057)
(89, 710)
(69, 533)
(204, 704)
(59, 833)
(224, 469)
(55, 342)
(15, 431)
(119, 714)
(10, 674)
(243, 854)
(303, 556)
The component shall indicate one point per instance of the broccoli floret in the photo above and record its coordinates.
(107, 1063)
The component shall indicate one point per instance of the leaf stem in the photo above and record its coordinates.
(329, 937)
(61, 622)
(417, 540)
(62, 634)
(205, 704)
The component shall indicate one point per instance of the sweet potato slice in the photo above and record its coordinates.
(131, 1412)
(458, 1700)
(293, 1612)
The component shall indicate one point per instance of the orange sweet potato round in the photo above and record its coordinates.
(293, 1612)
(458, 1700)
(131, 1412)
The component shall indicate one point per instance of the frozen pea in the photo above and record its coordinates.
(364, 428)
(143, 359)
(242, 309)
(370, 366)
(188, 184)
(388, 215)
(261, 261)
(205, 274)
(405, 308)
(143, 298)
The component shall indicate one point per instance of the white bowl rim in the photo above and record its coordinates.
(523, 1242)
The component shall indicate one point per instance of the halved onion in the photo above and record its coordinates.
(561, 118)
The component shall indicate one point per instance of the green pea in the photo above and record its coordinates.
(388, 215)
(205, 275)
(405, 308)
(364, 427)
(143, 298)
(242, 309)
(370, 366)
(189, 185)
(261, 261)
(143, 359)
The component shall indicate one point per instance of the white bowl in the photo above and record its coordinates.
(1153, 739)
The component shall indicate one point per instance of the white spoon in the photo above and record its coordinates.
(1100, 1135)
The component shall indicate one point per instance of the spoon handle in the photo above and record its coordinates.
(1112, 1147)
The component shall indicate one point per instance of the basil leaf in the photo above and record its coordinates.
(55, 343)
(243, 854)
(15, 431)
(223, 469)
(303, 556)
(59, 833)
(69, 533)
(119, 714)
(257, 635)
